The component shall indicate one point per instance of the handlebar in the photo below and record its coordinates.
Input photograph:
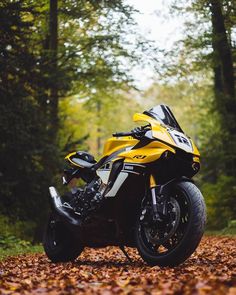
(120, 134)
(136, 133)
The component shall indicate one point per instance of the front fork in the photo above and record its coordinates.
(159, 201)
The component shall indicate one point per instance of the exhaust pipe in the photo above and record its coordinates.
(57, 206)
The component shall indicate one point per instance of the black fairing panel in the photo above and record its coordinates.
(176, 166)
(115, 221)
(127, 205)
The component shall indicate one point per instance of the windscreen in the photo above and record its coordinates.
(163, 114)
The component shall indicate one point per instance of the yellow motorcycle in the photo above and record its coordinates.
(139, 194)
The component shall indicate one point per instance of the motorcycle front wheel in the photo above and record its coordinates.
(60, 244)
(171, 242)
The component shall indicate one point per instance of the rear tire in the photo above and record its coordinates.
(60, 245)
(192, 230)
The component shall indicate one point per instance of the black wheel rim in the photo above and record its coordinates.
(164, 246)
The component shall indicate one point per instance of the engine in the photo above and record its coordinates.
(85, 201)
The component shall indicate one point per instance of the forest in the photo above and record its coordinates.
(67, 83)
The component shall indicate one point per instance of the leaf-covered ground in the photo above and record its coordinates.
(211, 270)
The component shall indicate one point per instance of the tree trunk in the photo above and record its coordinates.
(53, 46)
(223, 47)
(98, 127)
(224, 85)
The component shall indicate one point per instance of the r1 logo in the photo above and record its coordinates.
(139, 157)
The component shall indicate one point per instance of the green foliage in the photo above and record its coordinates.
(10, 242)
(23, 136)
(230, 229)
(99, 118)
(23, 230)
(90, 74)
(91, 62)
(203, 54)
(15, 237)
(17, 247)
(220, 198)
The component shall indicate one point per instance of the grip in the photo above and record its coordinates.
(120, 134)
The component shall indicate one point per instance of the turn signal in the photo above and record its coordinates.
(195, 166)
(166, 155)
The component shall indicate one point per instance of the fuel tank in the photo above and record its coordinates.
(116, 143)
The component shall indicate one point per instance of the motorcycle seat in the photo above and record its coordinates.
(83, 163)
(83, 159)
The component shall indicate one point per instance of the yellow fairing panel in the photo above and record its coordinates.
(68, 158)
(147, 154)
(114, 144)
(159, 131)
(195, 150)
(138, 117)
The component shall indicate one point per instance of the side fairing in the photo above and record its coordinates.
(117, 184)
(124, 155)
(168, 135)
(104, 175)
(146, 154)
(122, 174)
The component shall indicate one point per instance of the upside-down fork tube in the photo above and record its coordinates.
(161, 194)
(154, 198)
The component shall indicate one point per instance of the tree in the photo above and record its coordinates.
(224, 81)
(53, 44)
(22, 132)
(209, 47)
(51, 50)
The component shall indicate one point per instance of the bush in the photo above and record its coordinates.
(230, 229)
(221, 202)
(22, 230)
(15, 238)
(11, 242)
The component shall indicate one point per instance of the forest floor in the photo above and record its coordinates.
(210, 270)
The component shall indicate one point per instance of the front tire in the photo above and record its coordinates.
(60, 245)
(187, 235)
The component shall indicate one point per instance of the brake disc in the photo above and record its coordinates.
(162, 232)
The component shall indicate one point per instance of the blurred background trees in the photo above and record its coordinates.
(66, 82)
(210, 41)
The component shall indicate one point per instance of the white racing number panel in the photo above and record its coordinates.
(181, 140)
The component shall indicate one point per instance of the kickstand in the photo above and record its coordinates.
(122, 248)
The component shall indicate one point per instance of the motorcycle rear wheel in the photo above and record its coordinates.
(186, 236)
(60, 245)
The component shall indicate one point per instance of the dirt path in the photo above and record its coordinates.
(211, 270)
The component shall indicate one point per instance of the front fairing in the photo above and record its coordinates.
(170, 136)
